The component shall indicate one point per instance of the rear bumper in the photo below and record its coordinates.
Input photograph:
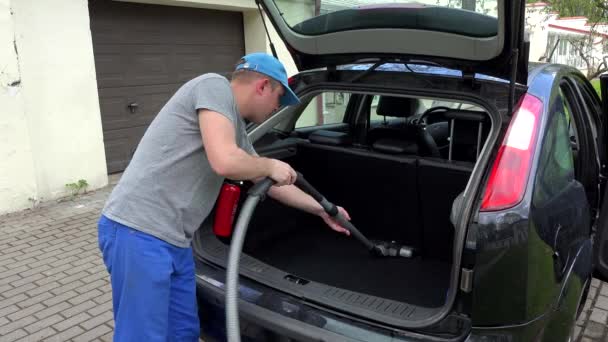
(261, 324)
(270, 315)
(257, 323)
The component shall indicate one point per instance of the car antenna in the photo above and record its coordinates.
(274, 52)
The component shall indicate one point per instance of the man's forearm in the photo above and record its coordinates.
(239, 165)
(294, 197)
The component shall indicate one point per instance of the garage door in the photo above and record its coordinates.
(143, 53)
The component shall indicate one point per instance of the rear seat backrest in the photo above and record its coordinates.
(379, 191)
(439, 183)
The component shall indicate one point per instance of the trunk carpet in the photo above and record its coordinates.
(317, 253)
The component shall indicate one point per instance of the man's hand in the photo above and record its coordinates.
(281, 173)
(333, 224)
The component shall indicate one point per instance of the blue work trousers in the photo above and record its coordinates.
(153, 285)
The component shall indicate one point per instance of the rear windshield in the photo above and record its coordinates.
(472, 18)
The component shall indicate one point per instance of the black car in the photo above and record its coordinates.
(428, 125)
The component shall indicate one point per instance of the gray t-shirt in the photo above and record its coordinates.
(169, 187)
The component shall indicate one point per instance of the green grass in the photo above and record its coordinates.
(596, 85)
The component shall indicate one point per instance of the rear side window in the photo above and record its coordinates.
(324, 109)
(556, 165)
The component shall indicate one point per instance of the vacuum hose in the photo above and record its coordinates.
(256, 193)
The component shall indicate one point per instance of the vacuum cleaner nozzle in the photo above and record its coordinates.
(391, 249)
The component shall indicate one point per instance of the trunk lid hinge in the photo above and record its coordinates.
(332, 73)
(466, 280)
(468, 77)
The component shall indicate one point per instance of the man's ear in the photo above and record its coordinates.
(259, 85)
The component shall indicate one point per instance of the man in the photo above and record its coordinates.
(171, 185)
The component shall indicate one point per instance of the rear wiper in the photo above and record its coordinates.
(397, 61)
(367, 72)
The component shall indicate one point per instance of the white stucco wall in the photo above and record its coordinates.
(17, 178)
(54, 120)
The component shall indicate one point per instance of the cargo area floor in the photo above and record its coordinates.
(321, 255)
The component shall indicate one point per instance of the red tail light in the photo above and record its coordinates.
(227, 203)
(511, 169)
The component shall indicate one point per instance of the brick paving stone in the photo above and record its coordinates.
(90, 295)
(26, 312)
(47, 322)
(14, 271)
(602, 302)
(44, 288)
(25, 321)
(18, 290)
(78, 309)
(5, 288)
(14, 300)
(598, 315)
(27, 280)
(97, 320)
(107, 337)
(39, 335)
(594, 330)
(67, 287)
(9, 280)
(592, 292)
(604, 290)
(52, 310)
(72, 321)
(8, 310)
(93, 333)
(66, 335)
(73, 277)
(36, 299)
(106, 297)
(577, 332)
(107, 306)
(34, 270)
(90, 286)
(60, 298)
(11, 337)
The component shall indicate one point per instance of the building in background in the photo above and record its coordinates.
(571, 41)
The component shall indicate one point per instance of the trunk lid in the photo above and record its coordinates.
(483, 38)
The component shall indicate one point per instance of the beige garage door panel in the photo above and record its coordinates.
(131, 65)
(143, 53)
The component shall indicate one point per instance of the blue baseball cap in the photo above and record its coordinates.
(271, 67)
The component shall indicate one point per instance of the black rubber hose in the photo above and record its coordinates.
(256, 193)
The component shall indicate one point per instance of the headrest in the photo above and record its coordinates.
(330, 138)
(398, 107)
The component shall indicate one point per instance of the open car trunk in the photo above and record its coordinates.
(401, 198)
